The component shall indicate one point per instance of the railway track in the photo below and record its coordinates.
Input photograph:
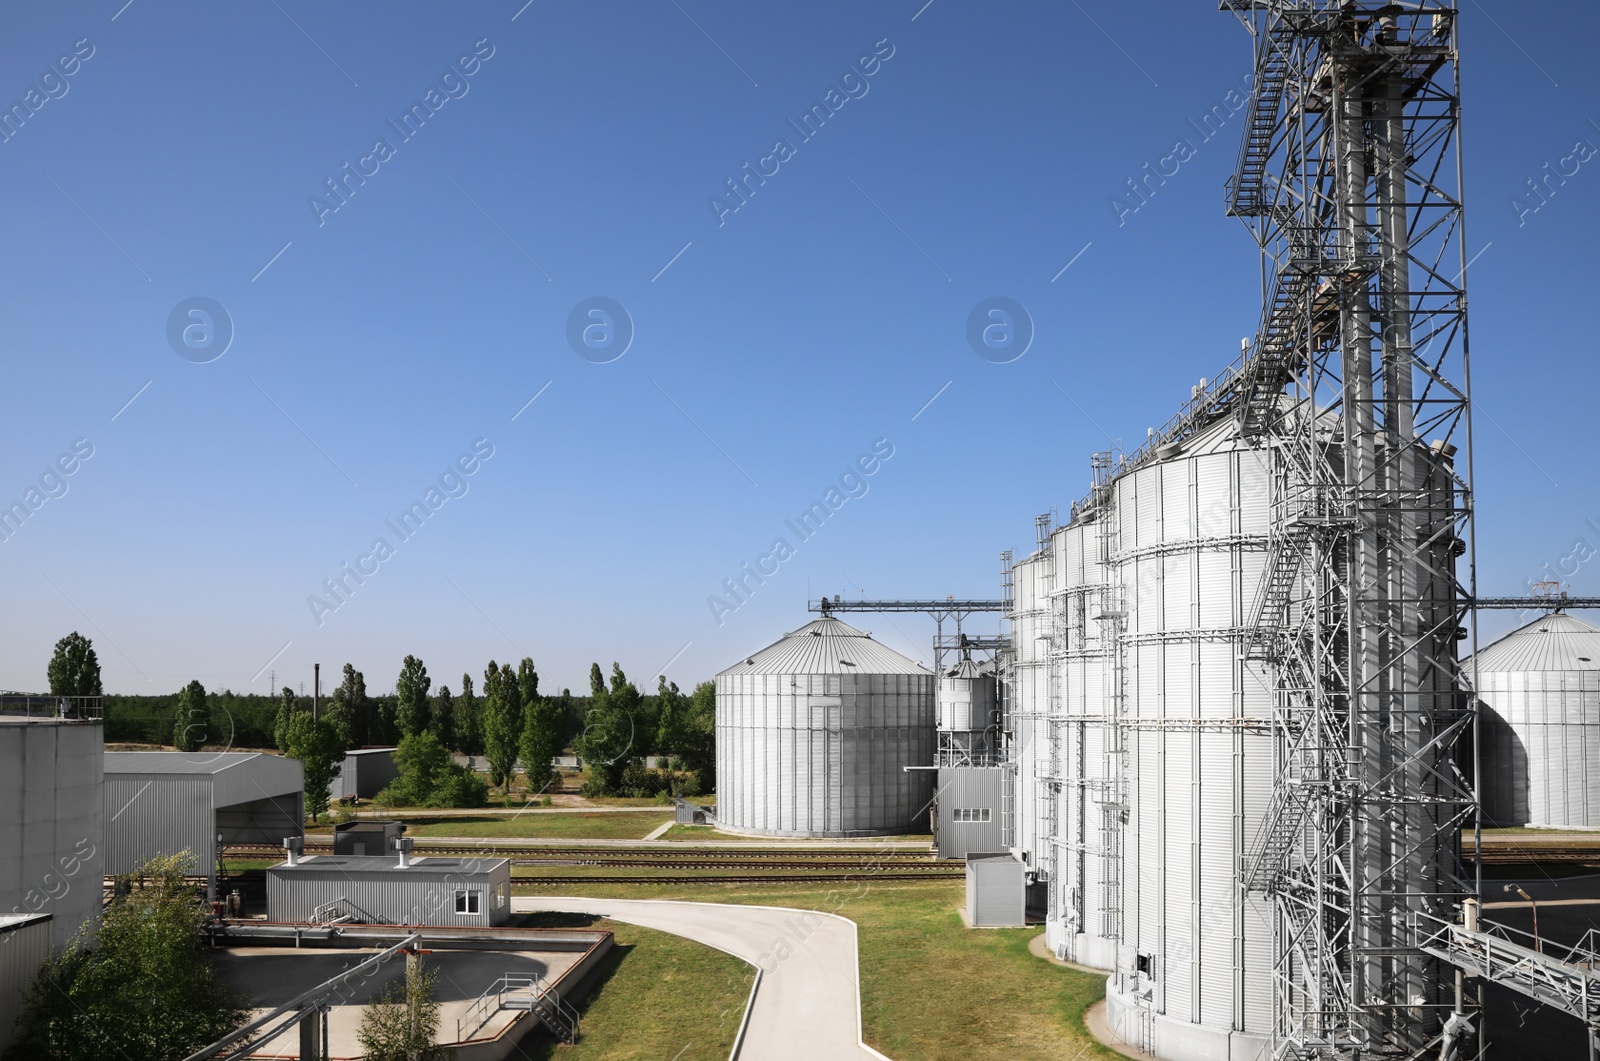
(649, 857)
(771, 878)
(1504, 853)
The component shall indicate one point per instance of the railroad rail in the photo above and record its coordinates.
(771, 878)
(624, 856)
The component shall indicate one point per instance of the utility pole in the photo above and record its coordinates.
(316, 689)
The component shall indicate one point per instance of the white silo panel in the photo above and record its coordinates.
(1146, 684)
(1250, 493)
(1178, 870)
(1255, 796)
(1214, 500)
(1216, 806)
(1147, 507)
(1177, 679)
(1177, 591)
(1218, 678)
(1218, 588)
(1147, 846)
(1177, 503)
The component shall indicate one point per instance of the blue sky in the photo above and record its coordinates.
(374, 344)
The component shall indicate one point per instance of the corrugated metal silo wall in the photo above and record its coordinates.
(1541, 758)
(1080, 908)
(1193, 537)
(823, 755)
(1028, 707)
(52, 831)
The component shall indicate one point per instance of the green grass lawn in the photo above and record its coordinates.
(555, 826)
(659, 997)
(931, 989)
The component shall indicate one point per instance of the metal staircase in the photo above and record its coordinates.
(533, 994)
(1245, 187)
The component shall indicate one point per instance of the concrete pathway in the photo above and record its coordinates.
(807, 1002)
(655, 834)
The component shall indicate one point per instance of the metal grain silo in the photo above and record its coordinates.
(1193, 976)
(1082, 900)
(1540, 686)
(1030, 618)
(967, 708)
(814, 733)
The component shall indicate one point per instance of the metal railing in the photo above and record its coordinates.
(1564, 977)
(532, 993)
(46, 705)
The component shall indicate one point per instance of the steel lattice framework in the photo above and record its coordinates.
(1349, 178)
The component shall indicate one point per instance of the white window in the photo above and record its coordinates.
(502, 896)
(466, 902)
(970, 814)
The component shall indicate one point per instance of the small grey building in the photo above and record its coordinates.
(996, 890)
(970, 806)
(388, 890)
(161, 803)
(365, 773)
(366, 838)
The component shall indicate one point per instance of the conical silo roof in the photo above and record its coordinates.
(1555, 642)
(827, 646)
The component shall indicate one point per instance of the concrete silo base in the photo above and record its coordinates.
(1176, 1040)
(1080, 948)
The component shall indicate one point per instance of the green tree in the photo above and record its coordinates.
(444, 717)
(607, 742)
(138, 985)
(189, 720)
(351, 710)
(413, 714)
(428, 777)
(502, 723)
(544, 734)
(280, 724)
(320, 747)
(671, 717)
(74, 668)
(527, 682)
(469, 720)
(402, 1023)
(697, 748)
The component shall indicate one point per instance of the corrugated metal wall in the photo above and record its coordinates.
(970, 788)
(23, 949)
(812, 755)
(52, 826)
(413, 896)
(158, 814)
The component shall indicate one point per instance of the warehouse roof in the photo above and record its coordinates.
(827, 646)
(1555, 642)
(177, 762)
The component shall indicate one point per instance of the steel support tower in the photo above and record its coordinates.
(1356, 385)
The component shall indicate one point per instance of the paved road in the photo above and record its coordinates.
(807, 1006)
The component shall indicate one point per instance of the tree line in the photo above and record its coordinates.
(503, 719)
